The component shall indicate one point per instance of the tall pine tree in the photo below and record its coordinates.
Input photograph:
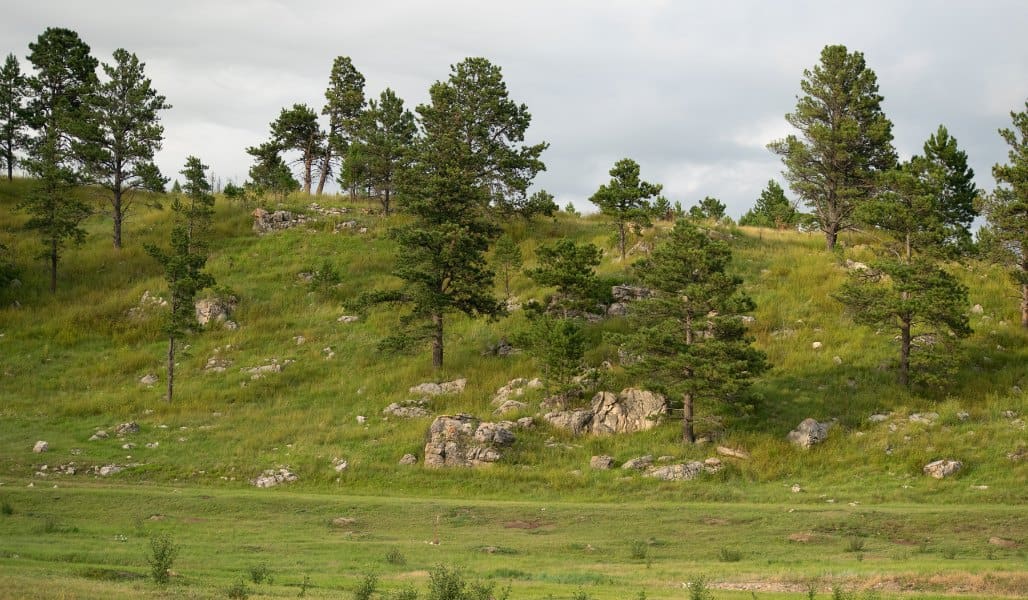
(12, 119)
(625, 199)
(344, 103)
(386, 137)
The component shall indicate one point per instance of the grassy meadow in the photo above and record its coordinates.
(540, 520)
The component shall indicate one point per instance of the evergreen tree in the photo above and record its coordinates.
(12, 121)
(344, 102)
(65, 74)
(957, 192)
(469, 157)
(539, 203)
(624, 199)
(1005, 238)
(386, 137)
(662, 209)
(772, 209)
(507, 260)
(558, 347)
(123, 134)
(185, 259)
(570, 268)
(269, 174)
(176, 188)
(297, 129)
(709, 208)
(688, 336)
(845, 140)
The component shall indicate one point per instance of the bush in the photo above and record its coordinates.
(366, 587)
(698, 589)
(6, 507)
(729, 555)
(238, 591)
(395, 557)
(260, 573)
(162, 554)
(639, 550)
(855, 544)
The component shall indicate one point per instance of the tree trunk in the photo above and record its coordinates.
(831, 236)
(53, 266)
(323, 176)
(10, 165)
(171, 367)
(688, 435)
(904, 375)
(308, 165)
(118, 216)
(1024, 305)
(437, 340)
(385, 202)
(621, 240)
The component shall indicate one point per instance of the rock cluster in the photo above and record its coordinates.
(146, 303)
(942, 468)
(463, 441)
(266, 222)
(273, 477)
(440, 389)
(215, 310)
(408, 409)
(630, 411)
(623, 295)
(809, 433)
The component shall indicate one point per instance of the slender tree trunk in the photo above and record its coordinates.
(688, 435)
(53, 265)
(621, 240)
(323, 176)
(118, 216)
(171, 367)
(308, 165)
(831, 236)
(385, 202)
(1024, 304)
(904, 375)
(437, 340)
(10, 164)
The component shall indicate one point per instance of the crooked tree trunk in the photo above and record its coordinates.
(171, 367)
(385, 202)
(688, 435)
(904, 374)
(831, 236)
(323, 176)
(308, 166)
(437, 340)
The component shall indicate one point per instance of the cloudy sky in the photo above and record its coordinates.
(691, 90)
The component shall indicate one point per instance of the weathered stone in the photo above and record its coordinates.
(808, 433)
(267, 222)
(273, 477)
(126, 428)
(439, 389)
(629, 293)
(40, 447)
(510, 406)
(601, 462)
(1003, 542)
(977, 309)
(262, 370)
(796, 488)
(942, 468)
(462, 440)
(344, 522)
(409, 409)
(853, 265)
(340, 464)
(217, 364)
(678, 472)
(525, 423)
(817, 345)
(409, 459)
(878, 418)
(99, 435)
(348, 319)
(712, 465)
(213, 310)
(493, 434)
(148, 379)
(108, 470)
(630, 411)
(638, 464)
(963, 415)
(1019, 454)
(575, 421)
(733, 452)
(926, 418)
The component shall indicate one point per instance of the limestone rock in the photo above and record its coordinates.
(712, 465)
(817, 345)
(126, 428)
(213, 310)
(629, 293)
(498, 434)
(926, 418)
(575, 421)
(148, 379)
(602, 462)
(267, 222)
(99, 435)
(273, 477)
(942, 468)
(463, 441)
(408, 409)
(340, 464)
(638, 464)
(108, 470)
(510, 406)
(852, 265)
(878, 418)
(409, 459)
(977, 309)
(677, 472)
(440, 389)
(630, 411)
(348, 319)
(40, 447)
(808, 433)
(733, 452)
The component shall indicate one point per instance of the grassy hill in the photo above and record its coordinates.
(71, 364)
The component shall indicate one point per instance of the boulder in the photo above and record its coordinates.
(148, 379)
(925, 418)
(463, 441)
(213, 310)
(677, 472)
(852, 265)
(630, 411)
(108, 470)
(712, 465)
(266, 222)
(816, 345)
(348, 319)
(40, 447)
(273, 477)
(440, 389)
(977, 309)
(340, 464)
(942, 468)
(878, 418)
(602, 462)
(638, 464)
(126, 428)
(808, 433)
(629, 293)
(575, 421)
(409, 459)
(409, 409)
(510, 406)
(99, 435)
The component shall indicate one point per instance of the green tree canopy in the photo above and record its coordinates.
(297, 130)
(385, 140)
(625, 199)
(344, 103)
(708, 208)
(507, 260)
(772, 209)
(571, 268)
(12, 119)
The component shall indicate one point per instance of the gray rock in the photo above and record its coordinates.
(575, 421)
(977, 309)
(348, 319)
(525, 423)
(712, 465)
(878, 418)
(99, 435)
(630, 411)
(942, 468)
(409, 459)
(733, 452)
(808, 433)
(678, 472)
(266, 222)
(638, 464)
(273, 477)
(510, 406)
(494, 434)
(963, 415)
(440, 389)
(148, 379)
(213, 310)
(409, 409)
(926, 418)
(340, 464)
(463, 441)
(816, 345)
(108, 470)
(40, 447)
(126, 428)
(629, 293)
(602, 462)
(852, 265)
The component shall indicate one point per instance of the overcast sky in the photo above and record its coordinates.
(693, 91)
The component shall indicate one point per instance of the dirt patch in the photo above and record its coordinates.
(524, 524)
(194, 520)
(715, 521)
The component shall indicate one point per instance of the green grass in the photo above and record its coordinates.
(70, 364)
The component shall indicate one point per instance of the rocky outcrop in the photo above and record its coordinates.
(808, 433)
(40, 447)
(409, 459)
(623, 295)
(602, 462)
(630, 411)
(273, 477)
(267, 222)
(678, 472)
(638, 464)
(463, 441)
(440, 389)
(408, 409)
(214, 310)
(126, 428)
(942, 468)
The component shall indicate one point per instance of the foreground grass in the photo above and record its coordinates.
(87, 540)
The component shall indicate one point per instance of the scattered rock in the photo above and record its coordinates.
(808, 433)
(217, 364)
(679, 472)
(152, 445)
(525, 423)
(300, 340)
(99, 435)
(343, 521)
(148, 379)
(462, 441)
(638, 464)
(852, 265)
(501, 348)
(40, 447)
(340, 464)
(126, 428)
(273, 477)
(575, 421)
(817, 345)
(601, 462)
(796, 488)
(146, 303)
(963, 415)
(878, 418)
(408, 409)
(361, 419)
(837, 360)
(439, 389)
(409, 459)
(213, 310)
(802, 538)
(926, 418)
(514, 388)
(1019, 454)
(260, 371)
(942, 468)
(108, 470)
(733, 452)
(510, 406)
(265, 222)
(977, 309)
(348, 319)
(712, 465)
(630, 411)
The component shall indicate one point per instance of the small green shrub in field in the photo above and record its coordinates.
(729, 555)
(405, 593)
(162, 554)
(366, 587)
(306, 583)
(855, 544)
(260, 573)
(580, 595)
(6, 508)
(395, 557)
(639, 550)
(698, 589)
(238, 590)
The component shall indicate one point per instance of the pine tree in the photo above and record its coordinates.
(709, 208)
(185, 259)
(689, 337)
(772, 209)
(845, 140)
(65, 75)
(957, 192)
(296, 129)
(12, 120)
(344, 103)
(570, 268)
(624, 199)
(269, 174)
(507, 259)
(123, 134)
(386, 137)
(1005, 238)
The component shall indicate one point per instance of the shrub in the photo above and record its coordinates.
(855, 544)
(260, 573)
(238, 590)
(698, 589)
(729, 555)
(6, 507)
(395, 557)
(639, 550)
(366, 587)
(162, 554)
